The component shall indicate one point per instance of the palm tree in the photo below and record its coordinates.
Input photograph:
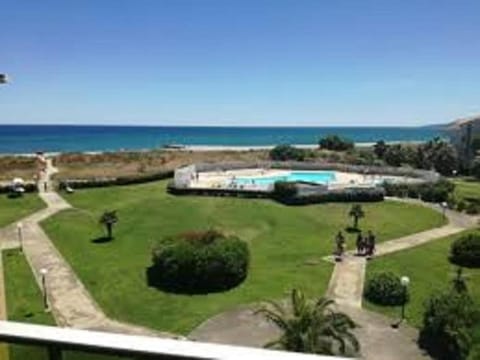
(311, 327)
(356, 212)
(108, 219)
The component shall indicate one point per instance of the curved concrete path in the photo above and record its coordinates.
(70, 302)
(379, 340)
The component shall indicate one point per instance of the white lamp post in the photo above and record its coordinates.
(43, 273)
(405, 281)
(20, 235)
(444, 206)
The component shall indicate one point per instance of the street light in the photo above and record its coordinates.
(444, 206)
(404, 281)
(43, 273)
(20, 235)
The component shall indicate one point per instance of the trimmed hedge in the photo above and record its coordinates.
(385, 289)
(199, 263)
(430, 192)
(28, 187)
(337, 195)
(465, 251)
(284, 189)
(119, 181)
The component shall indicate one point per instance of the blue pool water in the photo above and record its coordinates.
(319, 177)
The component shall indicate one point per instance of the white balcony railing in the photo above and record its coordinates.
(57, 339)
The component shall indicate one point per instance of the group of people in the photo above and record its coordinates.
(365, 244)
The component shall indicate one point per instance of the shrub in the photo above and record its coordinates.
(395, 155)
(475, 169)
(119, 181)
(447, 322)
(385, 289)
(431, 192)
(472, 208)
(338, 195)
(461, 205)
(199, 263)
(336, 143)
(287, 152)
(465, 251)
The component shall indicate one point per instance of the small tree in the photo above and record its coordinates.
(108, 219)
(311, 327)
(356, 212)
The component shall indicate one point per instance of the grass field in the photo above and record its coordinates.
(24, 304)
(284, 243)
(429, 270)
(17, 208)
(467, 189)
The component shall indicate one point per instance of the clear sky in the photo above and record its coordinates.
(225, 62)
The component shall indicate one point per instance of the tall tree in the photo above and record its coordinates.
(311, 326)
(356, 212)
(109, 219)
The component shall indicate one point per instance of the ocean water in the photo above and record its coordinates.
(65, 138)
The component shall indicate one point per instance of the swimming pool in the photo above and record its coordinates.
(318, 177)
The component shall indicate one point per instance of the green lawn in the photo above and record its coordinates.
(24, 304)
(283, 242)
(467, 189)
(429, 270)
(17, 208)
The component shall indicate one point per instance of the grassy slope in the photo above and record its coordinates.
(14, 209)
(282, 239)
(467, 189)
(24, 304)
(429, 270)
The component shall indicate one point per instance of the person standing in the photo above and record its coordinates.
(360, 244)
(340, 245)
(371, 243)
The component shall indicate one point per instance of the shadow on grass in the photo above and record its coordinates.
(155, 280)
(102, 240)
(352, 230)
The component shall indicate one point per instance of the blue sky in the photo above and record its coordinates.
(206, 62)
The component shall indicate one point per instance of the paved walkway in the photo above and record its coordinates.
(379, 340)
(70, 302)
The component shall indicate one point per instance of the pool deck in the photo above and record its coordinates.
(223, 179)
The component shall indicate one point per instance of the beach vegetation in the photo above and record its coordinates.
(288, 152)
(336, 143)
(380, 148)
(311, 326)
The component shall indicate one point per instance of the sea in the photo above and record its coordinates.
(24, 139)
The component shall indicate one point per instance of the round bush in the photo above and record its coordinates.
(465, 251)
(199, 263)
(385, 289)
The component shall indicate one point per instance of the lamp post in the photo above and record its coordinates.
(20, 235)
(454, 172)
(405, 281)
(444, 206)
(43, 273)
